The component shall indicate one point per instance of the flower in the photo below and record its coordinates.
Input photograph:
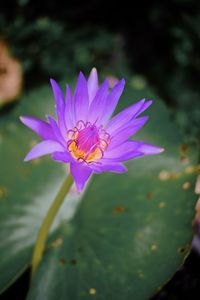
(83, 135)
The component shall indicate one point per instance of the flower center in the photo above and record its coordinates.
(87, 142)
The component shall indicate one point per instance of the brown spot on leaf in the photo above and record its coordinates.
(57, 243)
(140, 274)
(183, 249)
(166, 175)
(92, 291)
(149, 195)
(3, 192)
(192, 169)
(186, 185)
(162, 204)
(63, 261)
(154, 247)
(120, 209)
(25, 171)
(184, 148)
(73, 261)
(184, 154)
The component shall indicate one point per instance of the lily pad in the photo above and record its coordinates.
(130, 233)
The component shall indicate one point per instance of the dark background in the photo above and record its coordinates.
(159, 40)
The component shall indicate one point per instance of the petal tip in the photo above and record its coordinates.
(21, 118)
(150, 101)
(26, 158)
(161, 150)
(94, 70)
(123, 81)
(81, 75)
(52, 81)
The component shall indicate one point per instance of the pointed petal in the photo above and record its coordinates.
(92, 84)
(108, 166)
(81, 99)
(123, 152)
(127, 131)
(69, 109)
(112, 100)
(127, 114)
(62, 157)
(80, 174)
(60, 105)
(98, 104)
(146, 149)
(144, 107)
(131, 149)
(43, 148)
(56, 131)
(43, 129)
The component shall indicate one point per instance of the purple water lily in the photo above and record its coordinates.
(83, 135)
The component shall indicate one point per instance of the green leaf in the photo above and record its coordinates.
(131, 231)
(26, 189)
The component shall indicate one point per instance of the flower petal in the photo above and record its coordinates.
(127, 114)
(62, 157)
(112, 100)
(127, 131)
(108, 166)
(81, 99)
(146, 149)
(98, 104)
(43, 148)
(56, 131)
(80, 173)
(131, 149)
(60, 105)
(144, 107)
(123, 156)
(43, 129)
(92, 84)
(69, 109)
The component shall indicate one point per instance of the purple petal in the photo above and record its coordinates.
(81, 99)
(146, 149)
(43, 129)
(144, 107)
(127, 114)
(112, 100)
(60, 104)
(62, 157)
(108, 166)
(98, 104)
(56, 131)
(92, 84)
(80, 173)
(69, 109)
(122, 153)
(127, 131)
(43, 148)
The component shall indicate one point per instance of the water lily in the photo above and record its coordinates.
(84, 136)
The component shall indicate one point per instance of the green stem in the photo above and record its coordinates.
(48, 220)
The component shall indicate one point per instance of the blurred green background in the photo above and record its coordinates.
(156, 39)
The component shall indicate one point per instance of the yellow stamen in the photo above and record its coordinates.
(81, 155)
